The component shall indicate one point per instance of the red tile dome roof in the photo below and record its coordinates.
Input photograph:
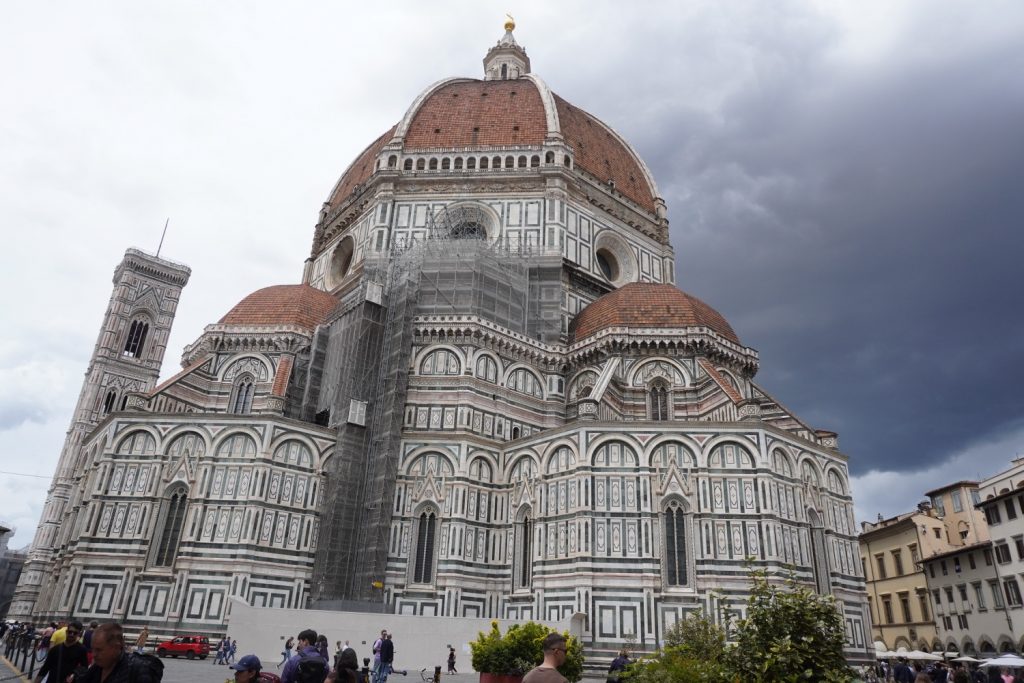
(299, 305)
(473, 114)
(648, 305)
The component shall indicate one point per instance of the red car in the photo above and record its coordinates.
(190, 646)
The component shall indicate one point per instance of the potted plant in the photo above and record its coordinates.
(506, 658)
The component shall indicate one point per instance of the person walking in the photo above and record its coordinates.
(387, 658)
(140, 642)
(232, 649)
(87, 639)
(617, 666)
(286, 654)
(307, 666)
(111, 664)
(554, 657)
(63, 659)
(451, 660)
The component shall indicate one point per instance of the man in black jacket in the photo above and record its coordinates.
(63, 659)
(110, 663)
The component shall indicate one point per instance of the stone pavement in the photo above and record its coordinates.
(204, 671)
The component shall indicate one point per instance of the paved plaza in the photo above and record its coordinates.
(204, 671)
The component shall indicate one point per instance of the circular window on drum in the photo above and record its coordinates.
(613, 259)
(463, 222)
(341, 260)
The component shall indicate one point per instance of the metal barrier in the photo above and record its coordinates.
(20, 650)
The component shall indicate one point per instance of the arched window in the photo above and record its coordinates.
(423, 564)
(108, 402)
(440, 362)
(241, 395)
(504, 71)
(433, 164)
(525, 382)
(407, 165)
(658, 402)
(484, 162)
(523, 572)
(136, 338)
(819, 558)
(487, 369)
(167, 548)
(676, 570)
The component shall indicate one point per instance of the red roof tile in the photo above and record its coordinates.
(480, 114)
(647, 304)
(602, 155)
(299, 305)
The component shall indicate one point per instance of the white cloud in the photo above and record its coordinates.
(889, 493)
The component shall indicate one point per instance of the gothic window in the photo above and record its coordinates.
(523, 570)
(136, 338)
(167, 547)
(423, 563)
(504, 71)
(676, 571)
(241, 395)
(480, 471)
(440, 362)
(108, 402)
(819, 558)
(487, 369)
(525, 382)
(659, 402)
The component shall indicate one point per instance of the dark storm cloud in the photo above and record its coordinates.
(861, 227)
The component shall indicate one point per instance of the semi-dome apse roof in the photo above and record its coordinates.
(299, 305)
(648, 305)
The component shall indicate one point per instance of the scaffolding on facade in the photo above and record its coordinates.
(362, 360)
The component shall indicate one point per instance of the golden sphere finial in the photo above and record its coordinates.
(510, 23)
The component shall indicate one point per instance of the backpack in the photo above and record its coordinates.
(311, 669)
(145, 667)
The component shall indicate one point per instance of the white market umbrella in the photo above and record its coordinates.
(1008, 660)
(950, 654)
(968, 659)
(919, 655)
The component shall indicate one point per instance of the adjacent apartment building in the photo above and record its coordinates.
(894, 552)
(976, 590)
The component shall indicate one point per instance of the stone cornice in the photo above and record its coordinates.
(697, 341)
(153, 266)
(235, 339)
(462, 329)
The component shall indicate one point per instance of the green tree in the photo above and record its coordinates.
(789, 634)
(694, 652)
(520, 649)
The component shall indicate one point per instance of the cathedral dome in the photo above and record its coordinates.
(299, 305)
(648, 305)
(510, 112)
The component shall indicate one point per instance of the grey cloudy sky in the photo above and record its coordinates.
(844, 183)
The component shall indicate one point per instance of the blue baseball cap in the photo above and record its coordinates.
(247, 663)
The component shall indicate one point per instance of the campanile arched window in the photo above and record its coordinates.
(174, 519)
(136, 338)
(423, 561)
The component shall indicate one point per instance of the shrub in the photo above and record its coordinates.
(521, 649)
(790, 633)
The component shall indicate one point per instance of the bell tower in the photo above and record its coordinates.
(125, 363)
